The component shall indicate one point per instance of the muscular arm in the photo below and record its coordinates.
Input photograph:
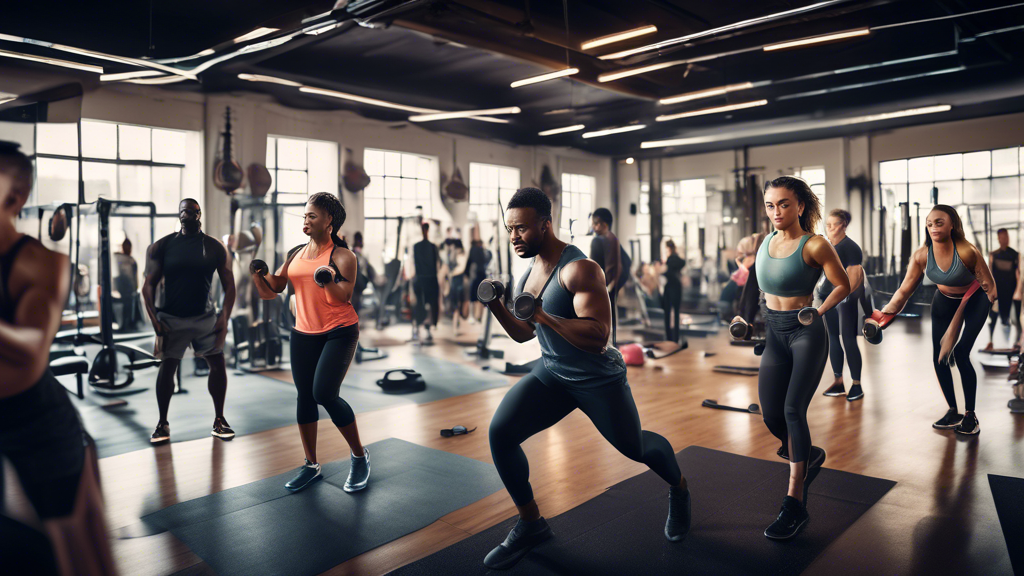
(154, 273)
(227, 280)
(856, 274)
(982, 273)
(825, 255)
(915, 272)
(589, 332)
(271, 285)
(24, 344)
(345, 260)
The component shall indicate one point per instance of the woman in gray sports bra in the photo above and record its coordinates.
(953, 303)
(788, 265)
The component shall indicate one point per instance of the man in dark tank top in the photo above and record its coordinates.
(185, 261)
(1004, 262)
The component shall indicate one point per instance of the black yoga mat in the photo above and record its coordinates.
(262, 529)
(1008, 494)
(256, 403)
(734, 499)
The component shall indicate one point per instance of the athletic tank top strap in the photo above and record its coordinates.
(6, 265)
(789, 276)
(957, 275)
(573, 366)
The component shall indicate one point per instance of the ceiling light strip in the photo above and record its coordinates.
(130, 75)
(157, 81)
(609, 131)
(817, 39)
(618, 37)
(52, 61)
(562, 130)
(257, 33)
(464, 114)
(715, 110)
(788, 127)
(726, 28)
(947, 17)
(545, 77)
(869, 84)
(706, 93)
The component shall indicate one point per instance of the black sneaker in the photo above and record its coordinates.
(358, 473)
(969, 425)
(836, 389)
(308, 474)
(161, 434)
(678, 523)
(792, 518)
(856, 393)
(783, 452)
(523, 537)
(222, 430)
(949, 421)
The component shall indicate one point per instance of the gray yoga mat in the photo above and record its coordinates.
(256, 403)
(620, 532)
(261, 529)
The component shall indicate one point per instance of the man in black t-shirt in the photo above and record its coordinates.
(426, 260)
(609, 254)
(1004, 264)
(186, 261)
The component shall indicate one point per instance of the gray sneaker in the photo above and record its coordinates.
(359, 473)
(308, 474)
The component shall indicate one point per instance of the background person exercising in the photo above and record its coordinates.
(186, 261)
(426, 261)
(1004, 264)
(789, 263)
(843, 320)
(40, 431)
(325, 336)
(954, 265)
(611, 257)
(577, 370)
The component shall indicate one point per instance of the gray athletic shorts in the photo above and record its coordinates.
(194, 330)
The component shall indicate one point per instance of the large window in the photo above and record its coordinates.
(815, 177)
(577, 204)
(489, 185)
(983, 186)
(683, 205)
(299, 168)
(118, 162)
(643, 222)
(401, 186)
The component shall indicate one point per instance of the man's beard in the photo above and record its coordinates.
(190, 225)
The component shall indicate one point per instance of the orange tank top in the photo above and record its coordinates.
(316, 312)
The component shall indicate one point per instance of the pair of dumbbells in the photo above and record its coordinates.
(523, 306)
(322, 276)
(740, 329)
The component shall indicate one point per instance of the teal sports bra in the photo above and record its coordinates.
(789, 276)
(957, 275)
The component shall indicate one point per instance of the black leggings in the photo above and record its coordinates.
(791, 368)
(671, 300)
(1004, 305)
(427, 293)
(943, 309)
(532, 406)
(843, 321)
(319, 364)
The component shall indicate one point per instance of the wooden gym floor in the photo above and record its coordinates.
(940, 517)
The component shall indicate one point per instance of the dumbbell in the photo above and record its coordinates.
(325, 275)
(874, 324)
(259, 267)
(806, 315)
(740, 329)
(524, 306)
(490, 290)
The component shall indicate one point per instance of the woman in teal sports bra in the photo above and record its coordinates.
(789, 263)
(954, 265)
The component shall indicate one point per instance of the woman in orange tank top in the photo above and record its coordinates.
(323, 341)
